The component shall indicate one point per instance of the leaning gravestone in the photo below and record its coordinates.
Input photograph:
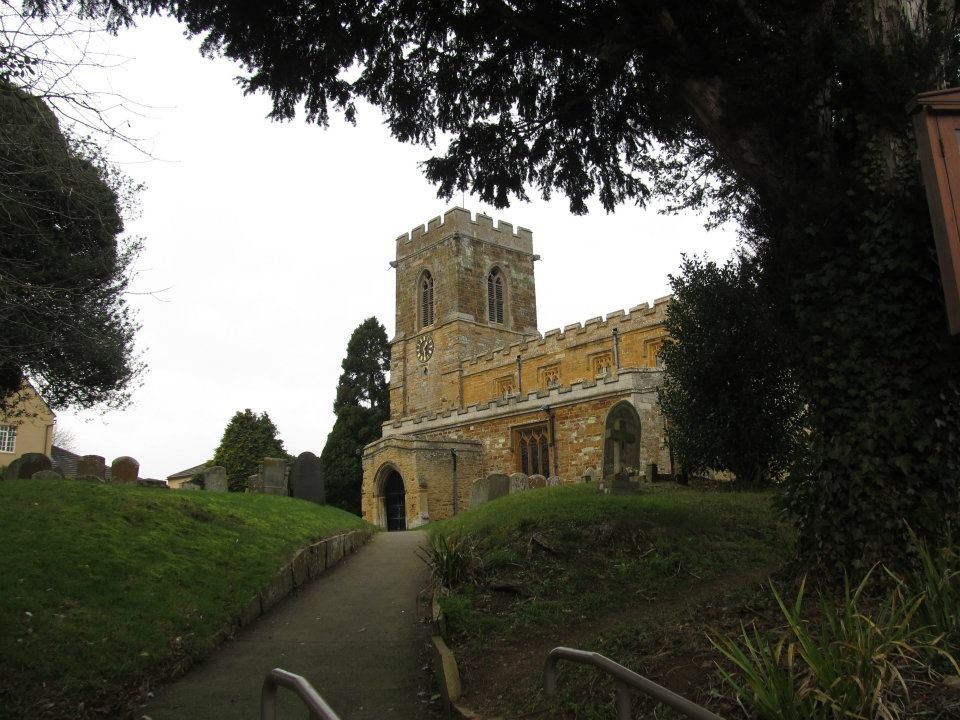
(215, 479)
(31, 463)
(92, 465)
(306, 479)
(536, 481)
(124, 471)
(554, 481)
(48, 475)
(519, 482)
(274, 474)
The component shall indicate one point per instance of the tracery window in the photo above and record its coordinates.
(532, 446)
(601, 364)
(425, 294)
(495, 296)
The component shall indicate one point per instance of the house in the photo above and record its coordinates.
(476, 389)
(178, 479)
(26, 426)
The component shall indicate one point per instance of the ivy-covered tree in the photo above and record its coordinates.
(788, 117)
(64, 264)
(729, 395)
(362, 405)
(247, 440)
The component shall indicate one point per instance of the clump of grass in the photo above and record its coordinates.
(938, 581)
(452, 559)
(849, 661)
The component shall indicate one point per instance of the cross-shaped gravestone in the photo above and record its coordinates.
(620, 436)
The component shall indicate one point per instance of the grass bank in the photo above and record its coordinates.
(635, 576)
(109, 590)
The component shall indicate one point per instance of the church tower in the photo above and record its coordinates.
(464, 287)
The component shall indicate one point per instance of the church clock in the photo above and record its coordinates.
(425, 348)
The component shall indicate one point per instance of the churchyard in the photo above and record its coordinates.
(110, 590)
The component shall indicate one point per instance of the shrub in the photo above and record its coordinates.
(847, 662)
(452, 559)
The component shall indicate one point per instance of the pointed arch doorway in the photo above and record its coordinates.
(394, 501)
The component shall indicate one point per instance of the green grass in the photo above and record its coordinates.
(609, 551)
(108, 589)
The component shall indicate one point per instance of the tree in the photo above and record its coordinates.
(362, 405)
(64, 268)
(247, 440)
(729, 397)
(788, 117)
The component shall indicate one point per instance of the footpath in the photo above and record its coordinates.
(354, 633)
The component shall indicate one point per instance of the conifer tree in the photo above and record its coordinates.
(362, 405)
(247, 440)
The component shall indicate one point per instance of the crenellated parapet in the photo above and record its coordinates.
(459, 220)
(639, 317)
(635, 381)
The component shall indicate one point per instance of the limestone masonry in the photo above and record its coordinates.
(475, 388)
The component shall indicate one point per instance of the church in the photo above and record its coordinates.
(476, 389)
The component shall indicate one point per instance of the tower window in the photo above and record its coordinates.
(495, 296)
(425, 292)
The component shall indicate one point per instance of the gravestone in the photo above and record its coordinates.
(489, 488)
(31, 463)
(48, 475)
(518, 483)
(306, 479)
(651, 472)
(590, 475)
(255, 483)
(554, 481)
(274, 474)
(124, 471)
(13, 470)
(536, 481)
(92, 466)
(215, 479)
(153, 483)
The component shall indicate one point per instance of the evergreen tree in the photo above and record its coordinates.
(729, 397)
(64, 265)
(362, 405)
(247, 440)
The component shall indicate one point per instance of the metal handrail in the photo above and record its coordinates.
(319, 710)
(626, 680)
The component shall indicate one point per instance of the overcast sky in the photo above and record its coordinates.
(266, 244)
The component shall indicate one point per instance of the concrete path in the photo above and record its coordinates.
(354, 633)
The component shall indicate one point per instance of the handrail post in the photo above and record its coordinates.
(624, 709)
(317, 706)
(268, 699)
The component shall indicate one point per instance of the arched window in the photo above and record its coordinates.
(495, 296)
(425, 295)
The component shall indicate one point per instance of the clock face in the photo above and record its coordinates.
(424, 348)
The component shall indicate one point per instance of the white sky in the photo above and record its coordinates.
(266, 244)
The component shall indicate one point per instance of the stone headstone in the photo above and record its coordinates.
(554, 481)
(651, 472)
(255, 483)
(215, 479)
(124, 471)
(13, 471)
(48, 475)
(536, 481)
(31, 463)
(519, 482)
(92, 465)
(489, 488)
(153, 483)
(306, 479)
(274, 473)
(590, 475)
